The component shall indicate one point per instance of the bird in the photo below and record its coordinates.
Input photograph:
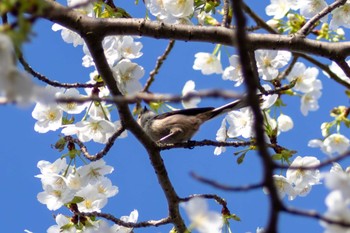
(181, 125)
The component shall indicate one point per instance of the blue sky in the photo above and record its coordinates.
(21, 148)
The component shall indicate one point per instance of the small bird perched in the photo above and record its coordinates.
(181, 125)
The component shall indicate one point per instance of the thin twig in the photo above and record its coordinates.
(150, 223)
(257, 19)
(218, 185)
(345, 67)
(103, 152)
(44, 79)
(321, 165)
(158, 65)
(314, 214)
(226, 20)
(217, 198)
(326, 69)
(287, 71)
(147, 97)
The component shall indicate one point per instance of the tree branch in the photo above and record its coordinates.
(95, 47)
(252, 85)
(85, 25)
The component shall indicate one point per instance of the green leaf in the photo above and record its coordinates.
(277, 156)
(67, 227)
(241, 158)
(347, 93)
(234, 217)
(76, 200)
(60, 144)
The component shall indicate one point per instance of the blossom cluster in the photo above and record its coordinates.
(170, 11)
(333, 143)
(96, 124)
(308, 9)
(15, 85)
(241, 122)
(338, 200)
(86, 186)
(299, 178)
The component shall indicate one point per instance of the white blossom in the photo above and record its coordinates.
(269, 61)
(309, 102)
(93, 200)
(189, 87)
(279, 8)
(72, 107)
(340, 17)
(94, 171)
(16, 86)
(96, 129)
(338, 179)
(111, 50)
(130, 49)
(201, 218)
(172, 12)
(267, 100)
(69, 36)
(55, 198)
(234, 71)
(61, 221)
(132, 218)
(283, 186)
(309, 8)
(338, 71)
(207, 63)
(127, 75)
(303, 179)
(285, 123)
(102, 91)
(221, 136)
(105, 187)
(336, 143)
(338, 210)
(49, 117)
(305, 77)
(240, 123)
(52, 168)
(177, 8)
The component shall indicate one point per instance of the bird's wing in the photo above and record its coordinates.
(173, 134)
(187, 112)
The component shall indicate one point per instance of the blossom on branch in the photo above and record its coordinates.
(170, 11)
(202, 219)
(234, 71)
(189, 87)
(207, 63)
(127, 75)
(333, 144)
(269, 61)
(309, 8)
(279, 8)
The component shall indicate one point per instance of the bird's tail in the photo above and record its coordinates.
(237, 104)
